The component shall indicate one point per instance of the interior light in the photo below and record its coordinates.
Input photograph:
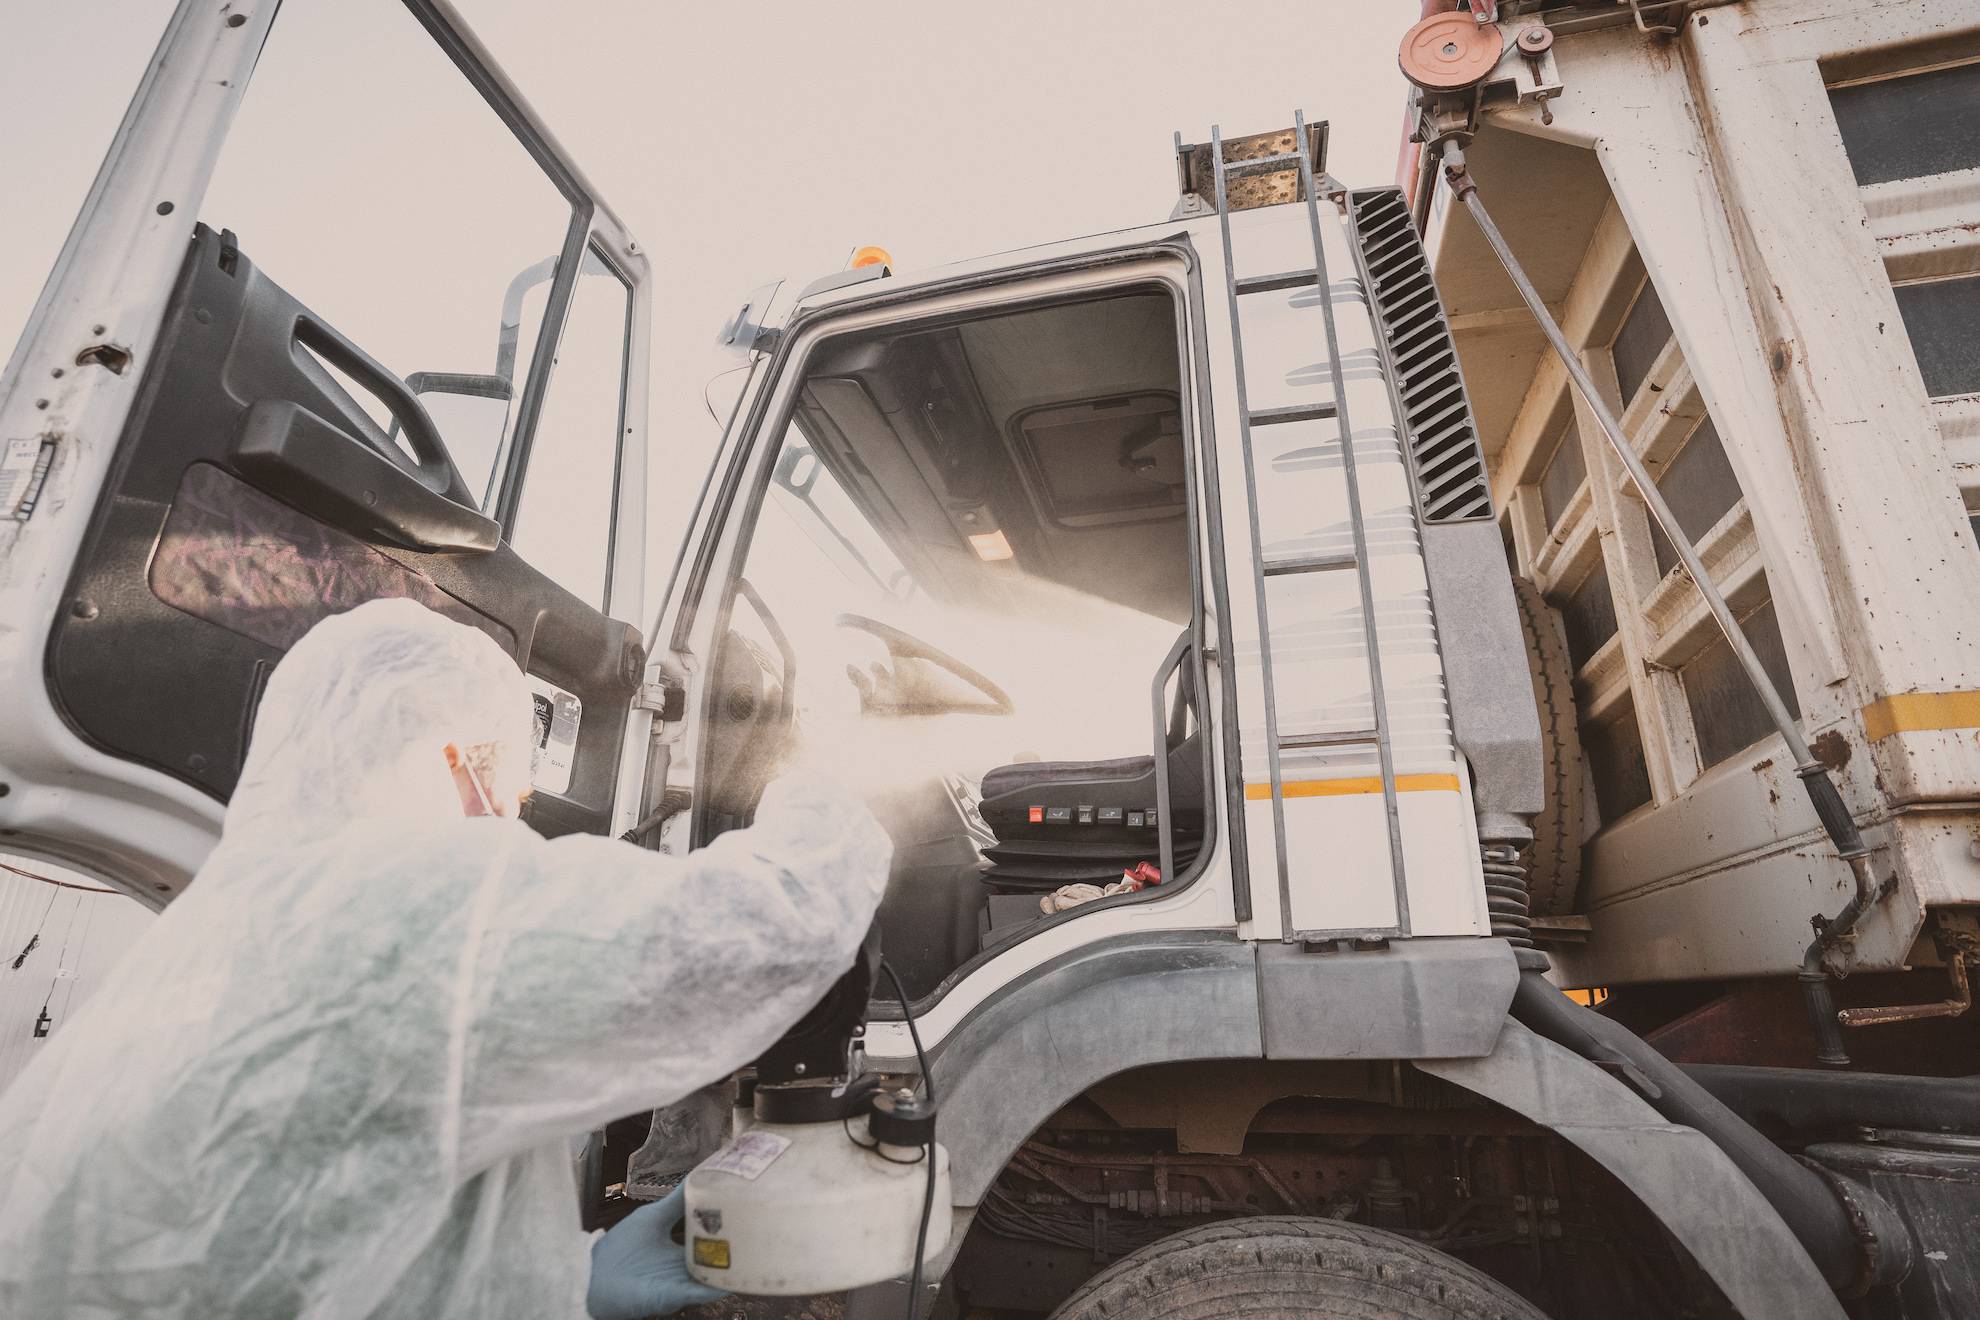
(990, 546)
(870, 256)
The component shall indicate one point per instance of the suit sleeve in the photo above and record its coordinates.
(604, 979)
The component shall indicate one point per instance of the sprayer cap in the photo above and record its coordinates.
(902, 1121)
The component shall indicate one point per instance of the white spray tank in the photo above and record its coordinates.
(791, 1209)
(829, 1180)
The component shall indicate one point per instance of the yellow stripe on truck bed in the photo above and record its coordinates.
(1915, 712)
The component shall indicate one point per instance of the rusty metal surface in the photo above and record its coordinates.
(1449, 52)
(1761, 1023)
(1273, 188)
(1885, 1014)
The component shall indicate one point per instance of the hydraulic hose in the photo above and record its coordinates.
(1815, 1103)
(1854, 1237)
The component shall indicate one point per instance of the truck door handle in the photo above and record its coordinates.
(363, 483)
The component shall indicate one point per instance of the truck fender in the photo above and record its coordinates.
(1100, 1011)
(1683, 1179)
(1143, 999)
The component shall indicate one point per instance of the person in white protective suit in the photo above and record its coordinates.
(339, 1076)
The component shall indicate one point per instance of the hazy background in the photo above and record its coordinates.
(744, 142)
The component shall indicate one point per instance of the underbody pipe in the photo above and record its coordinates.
(1821, 789)
(1820, 1004)
(1814, 977)
(1955, 1006)
(1804, 1100)
(1853, 1235)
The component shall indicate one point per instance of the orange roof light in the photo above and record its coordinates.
(870, 256)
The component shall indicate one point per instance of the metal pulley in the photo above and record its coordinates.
(1450, 52)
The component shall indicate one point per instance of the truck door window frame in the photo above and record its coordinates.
(115, 282)
(600, 592)
(728, 517)
(592, 228)
(593, 231)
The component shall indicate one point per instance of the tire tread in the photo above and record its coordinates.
(1553, 863)
(1367, 1271)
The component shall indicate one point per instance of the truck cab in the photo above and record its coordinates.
(1164, 571)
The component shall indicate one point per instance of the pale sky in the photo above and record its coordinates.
(746, 142)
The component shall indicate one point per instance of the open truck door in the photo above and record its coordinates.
(339, 320)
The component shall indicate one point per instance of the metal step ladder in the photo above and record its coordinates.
(1336, 410)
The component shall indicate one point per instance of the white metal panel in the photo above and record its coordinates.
(1775, 272)
(1338, 863)
(1340, 857)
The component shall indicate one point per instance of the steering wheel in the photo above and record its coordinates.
(903, 646)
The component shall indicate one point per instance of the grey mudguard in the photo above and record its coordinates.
(1144, 999)
(1415, 999)
(1101, 1010)
(1688, 1183)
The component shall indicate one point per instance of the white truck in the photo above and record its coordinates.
(1260, 553)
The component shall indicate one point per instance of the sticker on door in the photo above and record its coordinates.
(558, 714)
(24, 466)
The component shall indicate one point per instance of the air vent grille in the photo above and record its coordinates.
(1443, 437)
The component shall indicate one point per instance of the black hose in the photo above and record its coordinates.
(1816, 994)
(928, 1190)
(1804, 1100)
(1808, 1202)
(1820, 1002)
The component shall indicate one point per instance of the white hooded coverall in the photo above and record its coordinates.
(338, 1077)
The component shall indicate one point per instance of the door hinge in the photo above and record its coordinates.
(673, 801)
(665, 697)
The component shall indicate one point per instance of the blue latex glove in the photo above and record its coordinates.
(638, 1270)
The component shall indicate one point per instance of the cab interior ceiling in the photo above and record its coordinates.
(1057, 428)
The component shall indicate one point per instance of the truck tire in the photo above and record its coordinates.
(1553, 863)
(1285, 1268)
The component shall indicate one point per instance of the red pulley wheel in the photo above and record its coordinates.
(1449, 52)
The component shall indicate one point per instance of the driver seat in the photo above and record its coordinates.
(1064, 822)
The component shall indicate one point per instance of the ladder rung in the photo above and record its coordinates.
(1307, 564)
(1298, 412)
(1293, 742)
(1291, 279)
(1285, 160)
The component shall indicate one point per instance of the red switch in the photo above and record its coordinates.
(1037, 815)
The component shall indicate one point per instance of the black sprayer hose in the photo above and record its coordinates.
(1811, 1204)
(928, 1189)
